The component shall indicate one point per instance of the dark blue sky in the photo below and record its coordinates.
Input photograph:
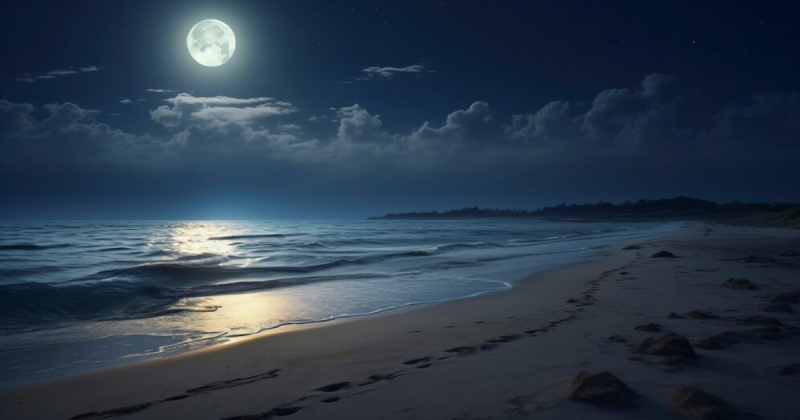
(349, 109)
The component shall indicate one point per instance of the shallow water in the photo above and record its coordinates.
(77, 296)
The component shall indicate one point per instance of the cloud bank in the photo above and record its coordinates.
(637, 138)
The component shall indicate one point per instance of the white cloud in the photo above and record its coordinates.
(158, 90)
(186, 98)
(187, 109)
(245, 114)
(126, 101)
(357, 125)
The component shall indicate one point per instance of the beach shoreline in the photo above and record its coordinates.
(500, 355)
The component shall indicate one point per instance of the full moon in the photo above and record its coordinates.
(211, 42)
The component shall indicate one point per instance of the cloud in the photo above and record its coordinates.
(617, 118)
(187, 109)
(66, 134)
(55, 74)
(357, 125)
(625, 137)
(61, 72)
(473, 124)
(158, 90)
(185, 98)
(290, 128)
(387, 73)
(126, 101)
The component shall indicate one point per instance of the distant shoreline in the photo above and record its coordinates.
(785, 215)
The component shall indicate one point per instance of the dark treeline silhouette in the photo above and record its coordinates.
(761, 214)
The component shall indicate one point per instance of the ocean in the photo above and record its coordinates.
(79, 296)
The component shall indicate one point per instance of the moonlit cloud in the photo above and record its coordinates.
(158, 90)
(187, 109)
(244, 114)
(55, 74)
(387, 73)
(186, 98)
(126, 101)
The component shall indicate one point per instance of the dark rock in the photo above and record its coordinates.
(761, 320)
(650, 327)
(701, 315)
(663, 254)
(602, 389)
(788, 297)
(673, 315)
(779, 307)
(631, 247)
(697, 404)
(618, 338)
(739, 284)
(667, 345)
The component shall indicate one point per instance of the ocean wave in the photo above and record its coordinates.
(37, 304)
(265, 235)
(479, 244)
(31, 247)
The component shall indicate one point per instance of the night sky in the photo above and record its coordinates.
(346, 109)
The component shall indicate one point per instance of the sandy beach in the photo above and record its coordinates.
(684, 340)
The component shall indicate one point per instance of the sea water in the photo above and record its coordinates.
(77, 296)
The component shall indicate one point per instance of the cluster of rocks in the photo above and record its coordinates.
(607, 390)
